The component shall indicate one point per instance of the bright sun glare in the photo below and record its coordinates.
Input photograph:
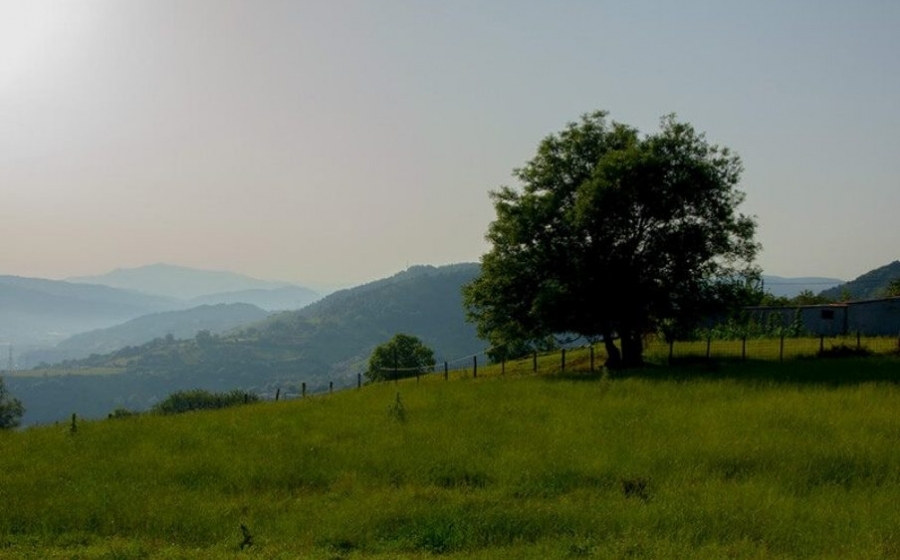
(37, 37)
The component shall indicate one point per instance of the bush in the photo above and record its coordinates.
(200, 399)
(11, 409)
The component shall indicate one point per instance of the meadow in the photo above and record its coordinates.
(743, 459)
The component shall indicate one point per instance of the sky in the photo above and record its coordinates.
(334, 142)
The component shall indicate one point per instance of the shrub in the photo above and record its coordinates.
(200, 399)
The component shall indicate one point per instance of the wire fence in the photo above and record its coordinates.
(591, 358)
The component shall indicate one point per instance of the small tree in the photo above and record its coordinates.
(11, 410)
(402, 356)
(893, 288)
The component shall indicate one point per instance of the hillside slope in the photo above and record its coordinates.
(870, 285)
(748, 461)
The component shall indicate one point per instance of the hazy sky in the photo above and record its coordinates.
(334, 142)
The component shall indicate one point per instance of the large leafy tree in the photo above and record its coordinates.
(613, 235)
(11, 409)
(402, 356)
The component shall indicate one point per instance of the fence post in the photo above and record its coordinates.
(358, 380)
(303, 389)
(534, 360)
(592, 358)
(562, 364)
(744, 348)
(474, 366)
(446, 371)
(330, 387)
(821, 343)
(277, 394)
(708, 346)
(503, 367)
(781, 349)
(671, 350)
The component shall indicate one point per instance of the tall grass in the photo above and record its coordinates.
(750, 460)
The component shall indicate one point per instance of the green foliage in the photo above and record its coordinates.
(893, 288)
(121, 412)
(11, 409)
(402, 356)
(614, 235)
(745, 324)
(199, 399)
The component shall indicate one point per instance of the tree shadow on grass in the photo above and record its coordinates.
(834, 372)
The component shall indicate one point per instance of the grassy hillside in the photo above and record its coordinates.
(739, 462)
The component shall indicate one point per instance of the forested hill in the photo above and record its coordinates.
(423, 301)
(330, 341)
(872, 284)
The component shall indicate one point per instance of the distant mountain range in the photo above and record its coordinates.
(37, 313)
(326, 342)
(204, 287)
(792, 287)
(177, 282)
(216, 319)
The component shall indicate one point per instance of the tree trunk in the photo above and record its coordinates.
(632, 350)
(614, 357)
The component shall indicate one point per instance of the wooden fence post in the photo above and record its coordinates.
(303, 389)
(330, 387)
(534, 361)
(821, 343)
(358, 380)
(277, 394)
(592, 358)
(474, 366)
(781, 349)
(446, 371)
(562, 365)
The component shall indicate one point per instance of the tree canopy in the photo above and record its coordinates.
(613, 235)
(11, 409)
(402, 356)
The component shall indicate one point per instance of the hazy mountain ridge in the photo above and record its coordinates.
(791, 287)
(179, 324)
(274, 299)
(37, 311)
(179, 282)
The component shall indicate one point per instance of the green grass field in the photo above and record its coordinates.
(753, 459)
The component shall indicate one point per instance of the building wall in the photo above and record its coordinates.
(874, 317)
